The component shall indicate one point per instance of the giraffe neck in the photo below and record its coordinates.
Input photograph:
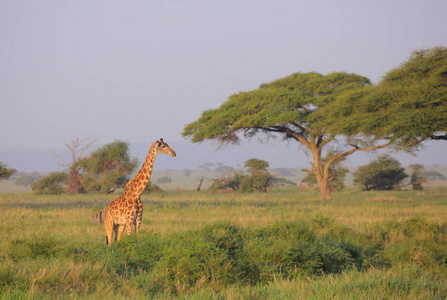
(136, 186)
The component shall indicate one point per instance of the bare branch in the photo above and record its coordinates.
(77, 150)
(64, 163)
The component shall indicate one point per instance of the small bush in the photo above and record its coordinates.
(52, 184)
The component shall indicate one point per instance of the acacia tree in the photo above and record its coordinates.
(286, 108)
(258, 179)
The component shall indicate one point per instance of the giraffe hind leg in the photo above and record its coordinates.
(119, 231)
(109, 226)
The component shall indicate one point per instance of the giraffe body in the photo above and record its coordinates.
(127, 210)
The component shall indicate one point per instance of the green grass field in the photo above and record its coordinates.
(280, 245)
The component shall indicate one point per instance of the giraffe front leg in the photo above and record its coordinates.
(139, 216)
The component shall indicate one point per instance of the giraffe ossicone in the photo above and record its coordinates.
(127, 209)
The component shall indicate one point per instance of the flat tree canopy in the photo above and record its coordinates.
(408, 106)
(284, 107)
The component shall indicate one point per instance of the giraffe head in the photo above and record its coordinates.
(162, 147)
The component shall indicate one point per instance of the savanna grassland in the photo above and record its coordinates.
(277, 245)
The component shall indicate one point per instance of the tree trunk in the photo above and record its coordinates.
(320, 175)
(74, 182)
(323, 186)
(200, 183)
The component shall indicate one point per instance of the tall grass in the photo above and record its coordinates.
(213, 246)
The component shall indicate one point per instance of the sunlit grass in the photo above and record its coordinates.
(51, 249)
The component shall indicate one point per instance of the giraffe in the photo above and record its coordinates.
(127, 209)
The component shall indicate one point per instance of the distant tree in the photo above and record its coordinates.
(152, 188)
(281, 182)
(107, 168)
(260, 181)
(77, 149)
(53, 183)
(433, 175)
(255, 165)
(230, 182)
(284, 172)
(258, 178)
(187, 172)
(164, 179)
(224, 170)
(5, 172)
(417, 178)
(26, 180)
(384, 173)
(207, 166)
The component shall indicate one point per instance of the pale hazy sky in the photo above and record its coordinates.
(139, 70)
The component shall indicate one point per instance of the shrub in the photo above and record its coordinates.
(213, 256)
(385, 173)
(50, 184)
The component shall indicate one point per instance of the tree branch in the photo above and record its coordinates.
(439, 137)
(61, 159)
(347, 153)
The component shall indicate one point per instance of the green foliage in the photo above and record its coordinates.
(258, 178)
(53, 183)
(384, 173)
(409, 105)
(152, 188)
(231, 182)
(107, 168)
(258, 181)
(273, 107)
(212, 256)
(5, 172)
(255, 165)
